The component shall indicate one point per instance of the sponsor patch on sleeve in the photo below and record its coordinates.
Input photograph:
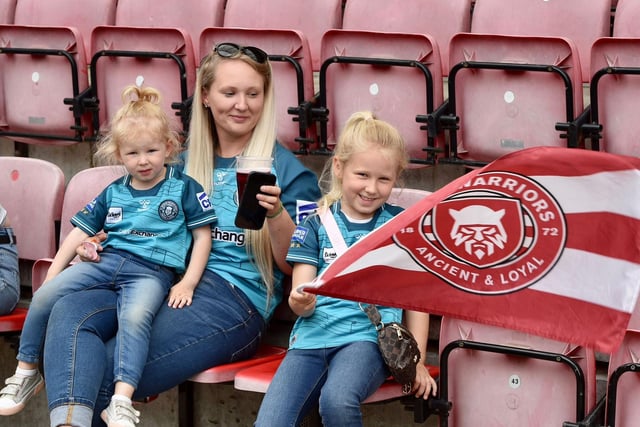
(204, 201)
(299, 234)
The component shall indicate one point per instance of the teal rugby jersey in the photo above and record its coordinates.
(153, 224)
(229, 256)
(334, 321)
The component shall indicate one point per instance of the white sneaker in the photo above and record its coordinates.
(17, 392)
(120, 414)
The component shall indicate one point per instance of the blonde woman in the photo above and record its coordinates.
(232, 114)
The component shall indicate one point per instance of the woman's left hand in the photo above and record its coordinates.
(269, 198)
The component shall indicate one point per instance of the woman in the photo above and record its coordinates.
(233, 113)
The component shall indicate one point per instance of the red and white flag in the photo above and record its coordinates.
(543, 240)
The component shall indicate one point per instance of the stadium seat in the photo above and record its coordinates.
(162, 58)
(624, 379)
(7, 11)
(83, 187)
(193, 16)
(581, 22)
(32, 191)
(625, 21)
(43, 70)
(397, 76)
(439, 19)
(615, 89)
(290, 58)
(310, 17)
(507, 93)
(494, 376)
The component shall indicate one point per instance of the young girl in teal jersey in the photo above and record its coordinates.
(333, 358)
(153, 216)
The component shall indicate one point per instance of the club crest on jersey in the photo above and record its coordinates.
(499, 233)
(168, 210)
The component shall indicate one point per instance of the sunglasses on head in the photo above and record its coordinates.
(230, 50)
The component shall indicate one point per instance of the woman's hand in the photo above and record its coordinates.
(269, 198)
(88, 250)
(424, 385)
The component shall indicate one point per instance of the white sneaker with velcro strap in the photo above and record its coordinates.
(17, 392)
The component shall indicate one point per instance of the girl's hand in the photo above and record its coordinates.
(88, 250)
(302, 303)
(424, 385)
(180, 295)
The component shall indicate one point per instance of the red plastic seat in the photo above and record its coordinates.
(439, 19)
(495, 376)
(579, 21)
(32, 191)
(223, 373)
(258, 377)
(310, 17)
(83, 187)
(43, 70)
(507, 93)
(397, 76)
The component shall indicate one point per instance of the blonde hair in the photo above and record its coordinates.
(203, 141)
(140, 112)
(360, 130)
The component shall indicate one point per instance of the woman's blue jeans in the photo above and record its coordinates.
(339, 379)
(9, 278)
(141, 287)
(220, 326)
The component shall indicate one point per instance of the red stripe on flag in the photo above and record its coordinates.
(539, 313)
(604, 233)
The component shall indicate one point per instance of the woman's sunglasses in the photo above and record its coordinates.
(230, 50)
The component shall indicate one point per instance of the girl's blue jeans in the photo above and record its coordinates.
(220, 326)
(9, 278)
(140, 287)
(339, 379)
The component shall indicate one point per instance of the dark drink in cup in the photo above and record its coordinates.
(248, 164)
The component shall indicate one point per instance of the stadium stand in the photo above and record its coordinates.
(290, 58)
(397, 76)
(310, 17)
(32, 191)
(494, 376)
(43, 69)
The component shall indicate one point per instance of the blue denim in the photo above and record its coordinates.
(9, 278)
(140, 286)
(337, 379)
(220, 326)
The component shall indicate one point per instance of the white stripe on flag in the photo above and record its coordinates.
(592, 193)
(593, 278)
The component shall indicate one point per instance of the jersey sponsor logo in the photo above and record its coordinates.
(89, 207)
(304, 209)
(114, 215)
(144, 205)
(500, 233)
(168, 210)
(227, 236)
(299, 234)
(204, 201)
(329, 254)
